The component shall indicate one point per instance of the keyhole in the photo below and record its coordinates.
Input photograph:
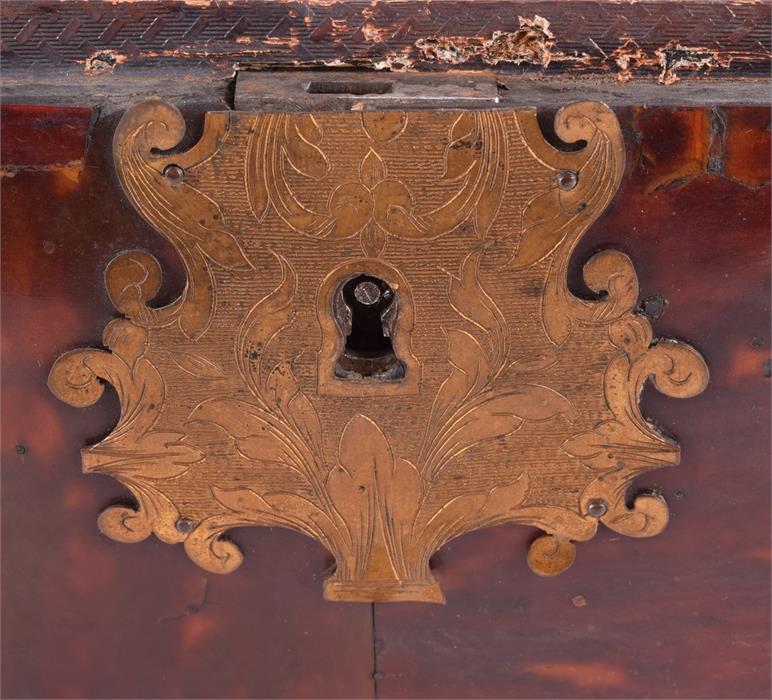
(365, 309)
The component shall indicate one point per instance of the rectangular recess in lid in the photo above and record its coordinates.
(343, 91)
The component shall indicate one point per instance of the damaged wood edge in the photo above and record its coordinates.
(625, 47)
(534, 44)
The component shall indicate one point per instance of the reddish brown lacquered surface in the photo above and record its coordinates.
(36, 135)
(685, 614)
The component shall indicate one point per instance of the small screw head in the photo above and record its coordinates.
(174, 173)
(567, 179)
(597, 508)
(185, 526)
(367, 293)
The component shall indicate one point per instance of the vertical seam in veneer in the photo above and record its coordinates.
(374, 674)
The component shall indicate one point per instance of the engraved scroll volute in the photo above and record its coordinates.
(498, 396)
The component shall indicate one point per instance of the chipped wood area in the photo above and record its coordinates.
(627, 39)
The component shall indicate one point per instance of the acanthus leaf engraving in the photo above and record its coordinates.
(518, 403)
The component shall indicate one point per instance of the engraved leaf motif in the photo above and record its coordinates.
(281, 509)
(471, 511)
(373, 240)
(372, 170)
(196, 365)
(463, 149)
(307, 517)
(157, 455)
(449, 519)
(384, 126)
(350, 207)
(302, 133)
(264, 321)
(370, 482)
(399, 490)
(502, 500)
(221, 247)
(308, 128)
(255, 172)
(502, 414)
(472, 302)
(140, 392)
(546, 222)
(464, 412)
(392, 209)
(240, 500)
(612, 444)
(362, 453)
(496, 155)
(470, 370)
(264, 447)
(550, 218)
(253, 429)
(494, 418)
(202, 223)
(197, 309)
(283, 387)
(185, 215)
(533, 361)
(473, 366)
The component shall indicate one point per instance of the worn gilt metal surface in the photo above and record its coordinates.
(376, 345)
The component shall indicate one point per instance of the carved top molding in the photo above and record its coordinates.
(508, 398)
(629, 39)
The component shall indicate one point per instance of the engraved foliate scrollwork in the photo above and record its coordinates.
(135, 449)
(376, 205)
(519, 400)
(188, 218)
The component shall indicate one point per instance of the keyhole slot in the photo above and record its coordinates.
(366, 308)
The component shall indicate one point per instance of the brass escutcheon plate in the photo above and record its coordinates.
(376, 344)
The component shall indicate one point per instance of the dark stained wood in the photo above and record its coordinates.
(684, 615)
(656, 38)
